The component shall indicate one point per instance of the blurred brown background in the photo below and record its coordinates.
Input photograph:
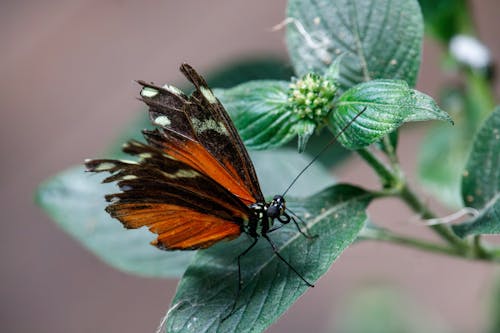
(66, 90)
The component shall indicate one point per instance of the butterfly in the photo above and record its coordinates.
(193, 183)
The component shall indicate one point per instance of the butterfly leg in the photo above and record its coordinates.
(306, 233)
(276, 228)
(292, 218)
(275, 250)
(240, 280)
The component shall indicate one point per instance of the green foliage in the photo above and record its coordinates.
(388, 104)
(321, 33)
(259, 111)
(208, 289)
(380, 39)
(267, 117)
(268, 114)
(481, 180)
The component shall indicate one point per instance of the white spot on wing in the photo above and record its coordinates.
(145, 155)
(162, 121)
(128, 161)
(172, 89)
(104, 166)
(149, 92)
(169, 157)
(204, 125)
(182, 173)
(208, 95)
(129, 177)
(186, 174)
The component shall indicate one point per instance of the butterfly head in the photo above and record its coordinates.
(276, 207)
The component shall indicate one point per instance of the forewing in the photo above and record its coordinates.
(210, 120)
(187, 209)
(202, 119)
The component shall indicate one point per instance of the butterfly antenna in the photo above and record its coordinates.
(332, 141)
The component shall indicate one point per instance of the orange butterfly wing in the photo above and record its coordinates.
(178, 227)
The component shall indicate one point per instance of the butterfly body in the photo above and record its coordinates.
(263, 216)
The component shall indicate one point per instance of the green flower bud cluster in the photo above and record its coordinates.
(311, 97)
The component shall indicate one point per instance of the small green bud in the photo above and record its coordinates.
(311, 97)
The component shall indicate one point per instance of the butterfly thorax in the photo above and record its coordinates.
(264, 214)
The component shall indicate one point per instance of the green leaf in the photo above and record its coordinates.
(74, 199)
(442, 160)
(259, 112)
(388, 103)
(380, 39)
(481, 180)
(208, 288)
(487, 222)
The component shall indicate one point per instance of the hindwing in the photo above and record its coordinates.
(187, 209)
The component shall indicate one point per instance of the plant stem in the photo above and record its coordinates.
(395, 180)
(478, 250)
(389, 180)
(384, 235)
(381, 234)
(411, 199)
(390, 151)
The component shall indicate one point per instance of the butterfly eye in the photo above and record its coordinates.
(278, 198)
